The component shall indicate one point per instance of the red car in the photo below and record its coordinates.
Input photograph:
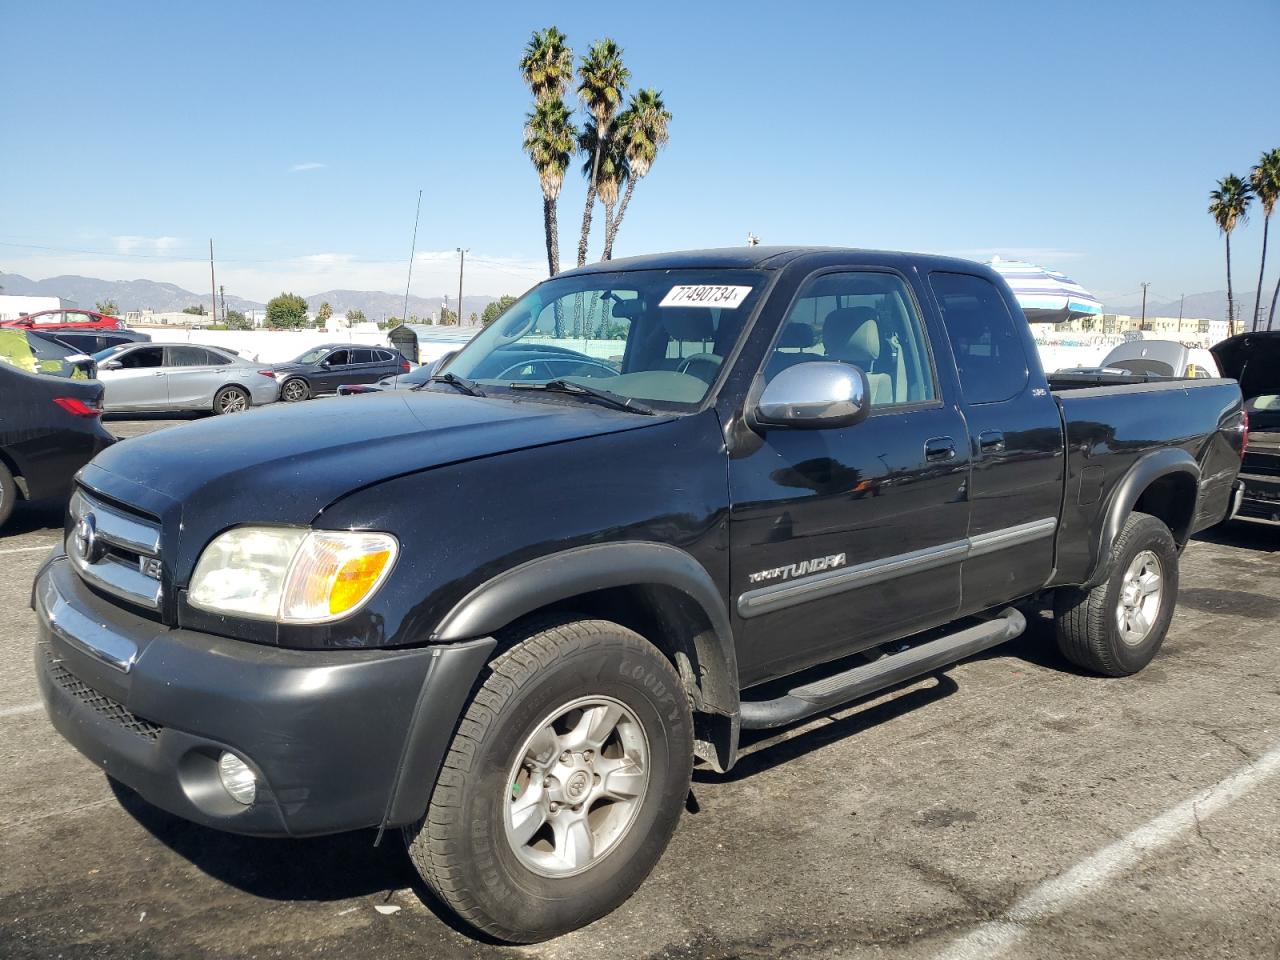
(64, 320)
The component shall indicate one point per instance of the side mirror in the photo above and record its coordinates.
(324, 364)
(814, 396)
(109, 365)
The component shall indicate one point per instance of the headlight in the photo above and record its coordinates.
(289, 574)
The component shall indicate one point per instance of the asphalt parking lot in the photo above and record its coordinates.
(1010, 807)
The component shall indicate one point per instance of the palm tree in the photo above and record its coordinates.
(547, 64)
(549, 137)
(602, 81)
(1229, 207)
(1265, 181)
(644, 127)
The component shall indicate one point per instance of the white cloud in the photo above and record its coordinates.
(1041, 256)
(134, 244)
(310, 165)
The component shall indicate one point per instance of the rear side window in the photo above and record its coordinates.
(188, 357)
(986, 341)
(362, 356)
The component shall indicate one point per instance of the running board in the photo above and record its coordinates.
(888, 671)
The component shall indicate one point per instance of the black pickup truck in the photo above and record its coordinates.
(502, 615)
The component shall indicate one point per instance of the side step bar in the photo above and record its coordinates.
(888, 671)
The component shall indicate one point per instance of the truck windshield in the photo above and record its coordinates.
(659, 336)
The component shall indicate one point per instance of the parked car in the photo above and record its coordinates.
(503, 616)
(182, 376)
(1147, 360)
(33, 353)
(323, 369)
(92, 341)
(50, 427)
(64, 319)
(1254, 360)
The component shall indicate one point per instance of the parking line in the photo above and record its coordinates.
(19, 711)
(1054, 896)
(43, 546)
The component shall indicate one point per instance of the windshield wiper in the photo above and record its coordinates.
(573, 389)
(453, 380)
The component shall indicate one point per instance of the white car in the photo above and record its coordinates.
(181, 376)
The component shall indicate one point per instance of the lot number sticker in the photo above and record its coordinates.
(705, 295)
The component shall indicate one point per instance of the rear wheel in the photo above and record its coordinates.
(8, 494)
(295, 390)
(1117, 627)
(231, 400)
(563, 784)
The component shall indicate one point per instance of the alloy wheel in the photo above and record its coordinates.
(576, 786)
(1141, 591)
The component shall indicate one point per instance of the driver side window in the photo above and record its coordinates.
(866, 319)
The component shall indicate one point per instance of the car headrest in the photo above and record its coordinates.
(627, 309)
(689, 323)
(797, 335)
(852, 333)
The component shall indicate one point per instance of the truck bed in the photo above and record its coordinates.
(1109, 428)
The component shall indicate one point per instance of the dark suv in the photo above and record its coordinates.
(323, 369)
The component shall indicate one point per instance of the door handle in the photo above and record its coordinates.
(991, 441)
(938, 449)
(158, 374)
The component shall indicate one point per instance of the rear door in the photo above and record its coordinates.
(193, 376)
(139, 382)
(366, 367)
(1015, 442)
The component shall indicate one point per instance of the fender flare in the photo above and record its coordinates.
(1148, 469)
(568, 573)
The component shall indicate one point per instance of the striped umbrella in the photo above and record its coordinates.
(1046, 295)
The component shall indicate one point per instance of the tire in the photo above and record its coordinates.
(1089, 622)
(295, 390)
(8, 494)
(231, 400)
(520, 889)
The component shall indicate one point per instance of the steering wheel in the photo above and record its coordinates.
(695, 364)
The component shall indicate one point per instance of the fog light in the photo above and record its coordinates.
(237, 779)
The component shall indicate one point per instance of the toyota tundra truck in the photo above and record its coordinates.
(504, 614)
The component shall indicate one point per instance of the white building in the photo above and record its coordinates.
(14, 307)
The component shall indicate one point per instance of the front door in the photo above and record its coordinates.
(335, 370)
(846, 538)
(138, 383)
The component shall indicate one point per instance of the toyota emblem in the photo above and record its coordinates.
(86, 539)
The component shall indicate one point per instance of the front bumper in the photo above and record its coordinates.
(339, 740)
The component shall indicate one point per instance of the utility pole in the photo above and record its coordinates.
(213, 286)
(461, 263)
(1181, 303)
(222, 296)
(1143, 325)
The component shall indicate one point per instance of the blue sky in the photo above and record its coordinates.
(1085, 136)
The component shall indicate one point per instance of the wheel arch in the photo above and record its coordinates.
(658, 590)
(1165, 484)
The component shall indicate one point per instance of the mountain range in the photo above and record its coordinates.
(1204, 306)
(168, 297)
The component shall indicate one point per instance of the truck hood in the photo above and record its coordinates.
(1253, 359)
(287, 463)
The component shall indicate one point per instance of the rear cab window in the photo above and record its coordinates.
(986, 341)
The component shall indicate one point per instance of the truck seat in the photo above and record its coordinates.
(852, 334)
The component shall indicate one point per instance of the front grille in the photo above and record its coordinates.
(114, 550)
(99, 702)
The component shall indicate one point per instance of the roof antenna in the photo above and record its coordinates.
(752, 240)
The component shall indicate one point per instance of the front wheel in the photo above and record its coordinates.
(1117, 627)
(562, 786)
(295, 390)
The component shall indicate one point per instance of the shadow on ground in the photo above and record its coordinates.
(36, 516)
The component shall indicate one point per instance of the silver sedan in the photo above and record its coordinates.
(182, 376)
